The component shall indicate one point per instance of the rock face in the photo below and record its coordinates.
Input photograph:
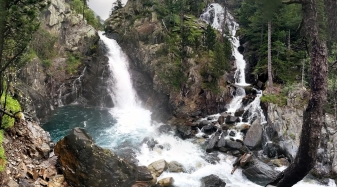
(85, 164)
(143, 39)
(41, 88)
(158, 167)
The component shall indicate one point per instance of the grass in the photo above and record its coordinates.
(2, 152)
(280, 99)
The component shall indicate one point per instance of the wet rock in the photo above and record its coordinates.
(231, 119)
(239, 112)
(175, 167)
(83, 162)
(233, 144)
(221, 119)
(165, 129)
(144, 174)
(184, 131)
(150, 142)
(141, 184)
(203, 123)
(158, 167)
(212, 181)
(212, 142)
(209, 129)
(280, 162)
(222, 141)
(272, 150)
(166, 181)
(254, 135)
(259, 172)
(231, 133)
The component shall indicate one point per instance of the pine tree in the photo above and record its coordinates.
(210, 37)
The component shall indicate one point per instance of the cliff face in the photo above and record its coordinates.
(167, 85)
(74, 69)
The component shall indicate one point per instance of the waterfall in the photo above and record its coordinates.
(134, 124)
(132, 119)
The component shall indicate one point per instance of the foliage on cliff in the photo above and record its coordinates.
(183, 39)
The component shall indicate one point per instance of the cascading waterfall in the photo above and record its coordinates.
(134, 123)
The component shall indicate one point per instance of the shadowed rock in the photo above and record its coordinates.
(85, 164)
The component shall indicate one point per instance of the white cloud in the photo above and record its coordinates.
(102, 7)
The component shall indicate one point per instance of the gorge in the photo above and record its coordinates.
(134, 97)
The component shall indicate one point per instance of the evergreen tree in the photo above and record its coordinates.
(210, 37)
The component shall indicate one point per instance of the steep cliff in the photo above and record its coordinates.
(170, 76)
(67, 63)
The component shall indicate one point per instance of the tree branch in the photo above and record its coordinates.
(334, 63)
(8, 114)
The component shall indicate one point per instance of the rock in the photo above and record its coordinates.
(24, 183)
(254, 135)
(209, 129)
(259, 172)
(221, 119)
(203, 123)
(150, 142)
(144, 174)
(212, 181)
(184, 131)
(12, 183)
(280, 162)
(56, 181)
(231, 133)
(272, 150)
(246, 159)
(231, 119)
(158, 167)
(222, 141)
(83, 162)
(166, 181)
(175, 167)
(212, 142)
(233, 144)
(239, 112)
(165, 129)
(141, 184)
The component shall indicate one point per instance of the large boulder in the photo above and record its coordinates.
(85, 164)
(259, 172)
(254, 135)
(212, 181)
(158, 167)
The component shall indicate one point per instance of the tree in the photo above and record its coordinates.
(313, 115)
(18, 22)
(210, 37)
(270, 76)
(116, 5)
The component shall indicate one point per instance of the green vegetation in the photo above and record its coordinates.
(2, 152)
(80, 7)
(280, 99)
(73, 62)
(42, 45)
(12, 106)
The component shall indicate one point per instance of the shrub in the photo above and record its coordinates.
(43, 44)
(11, 105)
(73, 62)
(276, 99)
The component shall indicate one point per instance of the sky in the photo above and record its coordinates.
(102, 7)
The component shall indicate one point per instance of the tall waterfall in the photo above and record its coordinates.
(134, 124)
(132, 119)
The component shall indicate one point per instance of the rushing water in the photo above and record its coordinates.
(128, 124)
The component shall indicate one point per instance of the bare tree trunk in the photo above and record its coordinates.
(3, 7)
(313, 115)
(270, 78)
(289, 40)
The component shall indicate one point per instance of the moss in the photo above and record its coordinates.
(13, 106)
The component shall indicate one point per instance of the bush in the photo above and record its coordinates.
(43, 44)
(73, 62)
(280, 100)
(13, 106)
